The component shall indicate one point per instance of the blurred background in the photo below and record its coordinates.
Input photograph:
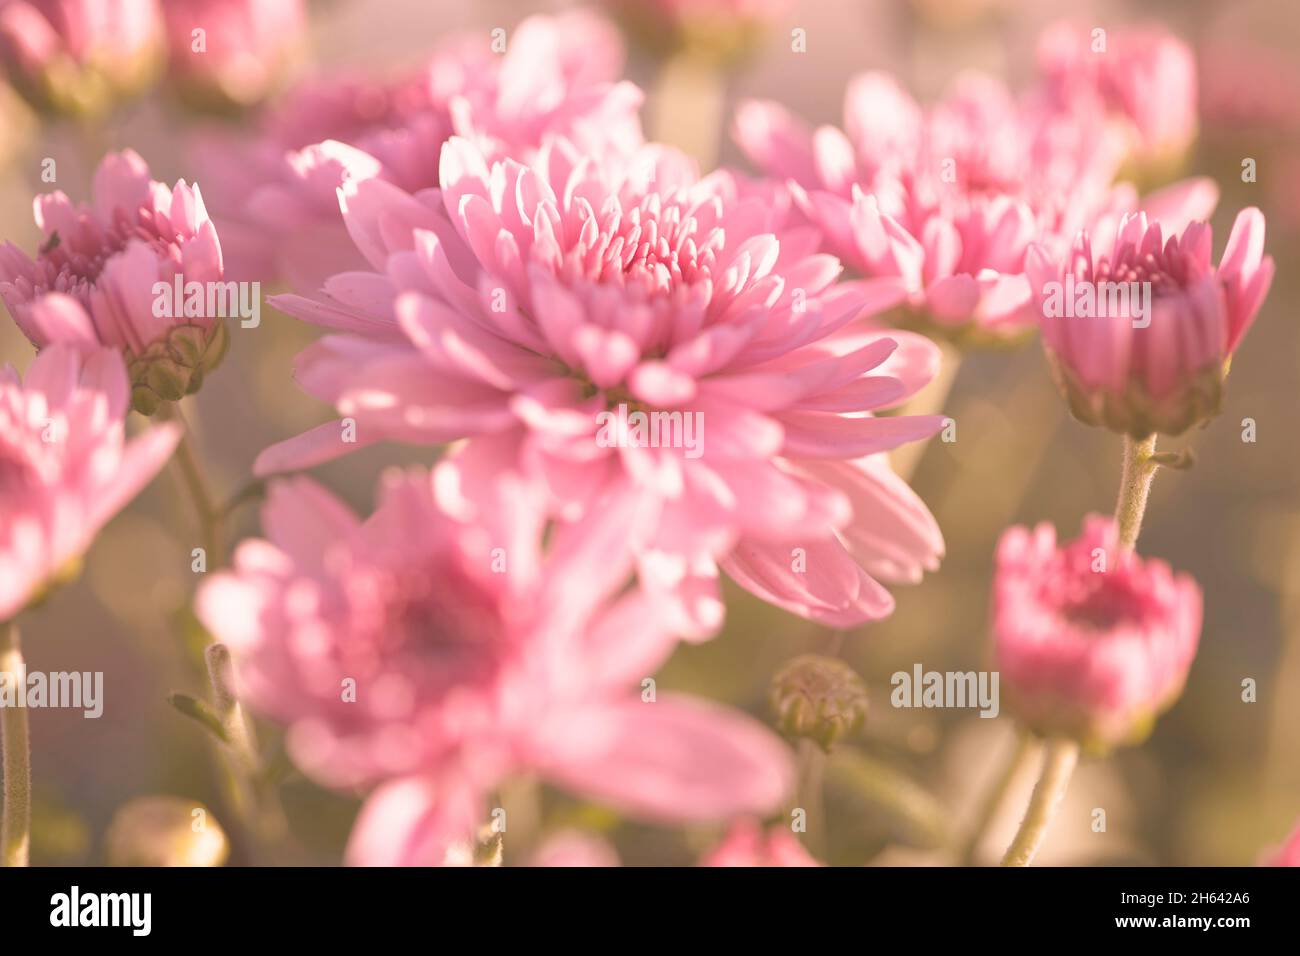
(1218, 781)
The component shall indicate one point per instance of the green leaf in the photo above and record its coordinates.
(199, 710)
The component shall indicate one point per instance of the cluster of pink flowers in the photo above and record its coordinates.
(277, 190)
(473, 655)
(519, 304)
(649, 376)
(949, 199)
(78, 57)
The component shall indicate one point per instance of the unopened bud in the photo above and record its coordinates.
(174, 366)
(820, 698)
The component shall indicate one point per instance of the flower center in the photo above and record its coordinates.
(441, 625)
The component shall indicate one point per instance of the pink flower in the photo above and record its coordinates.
(434, 650)
(121, 257)
(556, 75)
(571, 848)
(1288, 854)
(1148, 358)
(543, 306)
(1144, 77)
(78, 56)
(750, 844)
(65, 465)
(946, 199)
(1092, 642)
(232, 53)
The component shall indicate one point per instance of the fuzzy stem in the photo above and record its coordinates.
(811, 771)
(257, 802)
(210, 518)
(1134, 487)
(15, 741)
(1059, 759)
(992, 801)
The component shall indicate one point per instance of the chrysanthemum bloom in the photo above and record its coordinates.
(629, 333)
(1288, 854)
(946, 199)
(226, 54)
(434, 650)
(1143, 77)
(1140, 326)
(749, 843)
(278, 192)
(65, 465)
(123, 256)
(76, 57)
(1092, 641)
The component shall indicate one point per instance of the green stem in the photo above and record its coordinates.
(1134, 487)
(1059, 759)
(988, 808)
(211, 515)
(15, 741)
(811, 775)
(257, 802)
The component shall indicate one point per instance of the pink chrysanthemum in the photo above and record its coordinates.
(556, 75)
(65, 465)
(1144, 77)
(76, 57)
(748, 843)
(435, 650)
(540, 308)
(947, 199)
(242, 52)
(109, 255)
(1092, 641)
(1161, 371)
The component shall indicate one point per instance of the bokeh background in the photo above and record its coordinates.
(1218, 781)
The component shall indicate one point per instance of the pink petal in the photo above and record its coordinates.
(677, 759)
(413, 821)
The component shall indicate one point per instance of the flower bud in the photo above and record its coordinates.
(820, 698)
(174, 366)
(1092, 642)
(165, 831)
